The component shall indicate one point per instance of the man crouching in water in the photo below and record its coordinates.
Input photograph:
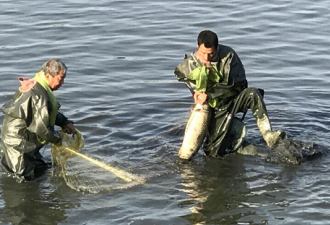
(227, 92)
(29, 121)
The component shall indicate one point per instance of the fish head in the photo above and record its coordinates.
(186, 153)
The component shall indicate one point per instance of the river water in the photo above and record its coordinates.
(123, 96)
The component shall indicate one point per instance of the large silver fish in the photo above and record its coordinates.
(195, 131)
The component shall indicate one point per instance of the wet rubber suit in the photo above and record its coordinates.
(232, 93)
(25, 124)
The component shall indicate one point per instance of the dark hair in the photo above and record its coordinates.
(53, 67)
(208, 38)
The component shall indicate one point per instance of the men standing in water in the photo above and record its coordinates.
(29, 121)
(227, 92)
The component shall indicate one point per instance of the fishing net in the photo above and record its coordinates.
(84, 173)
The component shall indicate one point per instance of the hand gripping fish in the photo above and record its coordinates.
(195, 131)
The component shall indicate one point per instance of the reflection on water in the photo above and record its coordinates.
(216, 186)
(35, 202)
(231, 189)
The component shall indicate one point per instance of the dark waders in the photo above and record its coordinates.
(221, 119)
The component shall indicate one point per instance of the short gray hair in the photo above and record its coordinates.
(53, 67)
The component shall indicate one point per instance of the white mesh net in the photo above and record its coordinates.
(84, 173)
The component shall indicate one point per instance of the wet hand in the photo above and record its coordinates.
(69, 129)
(200, 97)
(59, 143)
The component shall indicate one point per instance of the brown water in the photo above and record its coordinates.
(122, 94)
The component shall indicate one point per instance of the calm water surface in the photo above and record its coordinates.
(123, 96)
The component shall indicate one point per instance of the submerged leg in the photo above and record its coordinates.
(252, 99)
(271, 137)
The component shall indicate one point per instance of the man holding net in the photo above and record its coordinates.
(29, 121)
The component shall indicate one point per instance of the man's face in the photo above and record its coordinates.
(206, 55)
(56, 81)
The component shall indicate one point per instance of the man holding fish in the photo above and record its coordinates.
(216, 77)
